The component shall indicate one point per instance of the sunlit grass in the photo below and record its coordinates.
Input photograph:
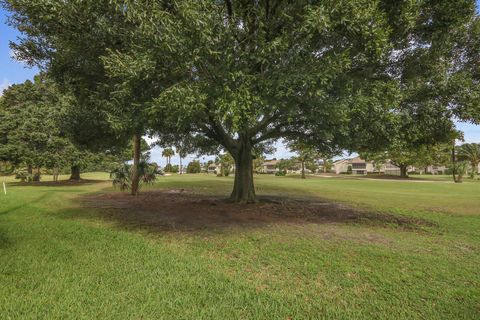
(59, 260)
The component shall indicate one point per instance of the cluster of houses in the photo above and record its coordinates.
(359, 166)
(356, 166)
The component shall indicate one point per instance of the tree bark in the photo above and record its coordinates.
(303, 170)
(454, 163)
(243, 187)
(36, 177)
(403, 171)
(180, 165)
(325, 165)
(55, 174)
(136, 161)
(75, 172)
(30, 169)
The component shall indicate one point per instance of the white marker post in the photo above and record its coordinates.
(4, 188)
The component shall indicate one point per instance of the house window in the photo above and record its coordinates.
(359, 165)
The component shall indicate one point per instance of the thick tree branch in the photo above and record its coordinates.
(263, 124)
(277, 133)
(222, 136)
(229, 8)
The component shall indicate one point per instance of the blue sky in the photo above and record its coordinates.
(12, 71)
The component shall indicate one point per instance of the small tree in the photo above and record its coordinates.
(182, 154)
(194, 167)
(327, 164)
(306, 154)
(168, 153)
(258, 163)
(226, 163)
(122, 175)
(470, 152)
(285, 165)
(459, 169)
(168, 168)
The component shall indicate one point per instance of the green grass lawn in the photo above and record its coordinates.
(60, 260)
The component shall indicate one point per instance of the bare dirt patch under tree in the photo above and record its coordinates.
(181, 210)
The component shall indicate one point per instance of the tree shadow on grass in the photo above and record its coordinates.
(5, 242)
(60, 183)
(178, 210)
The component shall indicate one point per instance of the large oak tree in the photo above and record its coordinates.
(260, 71)
(360, 75)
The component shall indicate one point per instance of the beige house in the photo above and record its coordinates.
(357, 165)
(432, 170)
(270, 166)
(214, 168)
(390, 168)
(360, 166)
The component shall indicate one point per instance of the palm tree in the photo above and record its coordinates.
(122, 175)
(182, 154)
(470, 152)
(168, 153)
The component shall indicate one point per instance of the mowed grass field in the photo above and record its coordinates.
(62, 260)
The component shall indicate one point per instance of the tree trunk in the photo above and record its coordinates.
(136, 161)
(324, 165)
(474, 169)
(36, 177)
(403, 171)
(75, 172)
(180, 165)
(454, 164)
(30, 169)
(243, 188)
(55, 174)
(303, 170)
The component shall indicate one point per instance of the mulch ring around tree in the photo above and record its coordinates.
(179, 209)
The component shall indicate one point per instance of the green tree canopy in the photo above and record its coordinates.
(72, 40)
(237, 75)
(30, 130)
(258, 72)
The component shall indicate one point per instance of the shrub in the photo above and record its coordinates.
(194, 167)
(23, 175)
(168, 168)
(36, 176)
(122, 175)
(280, 173)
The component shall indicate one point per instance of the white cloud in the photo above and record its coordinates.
(4, 85)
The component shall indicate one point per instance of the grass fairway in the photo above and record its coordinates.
(62, 260)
